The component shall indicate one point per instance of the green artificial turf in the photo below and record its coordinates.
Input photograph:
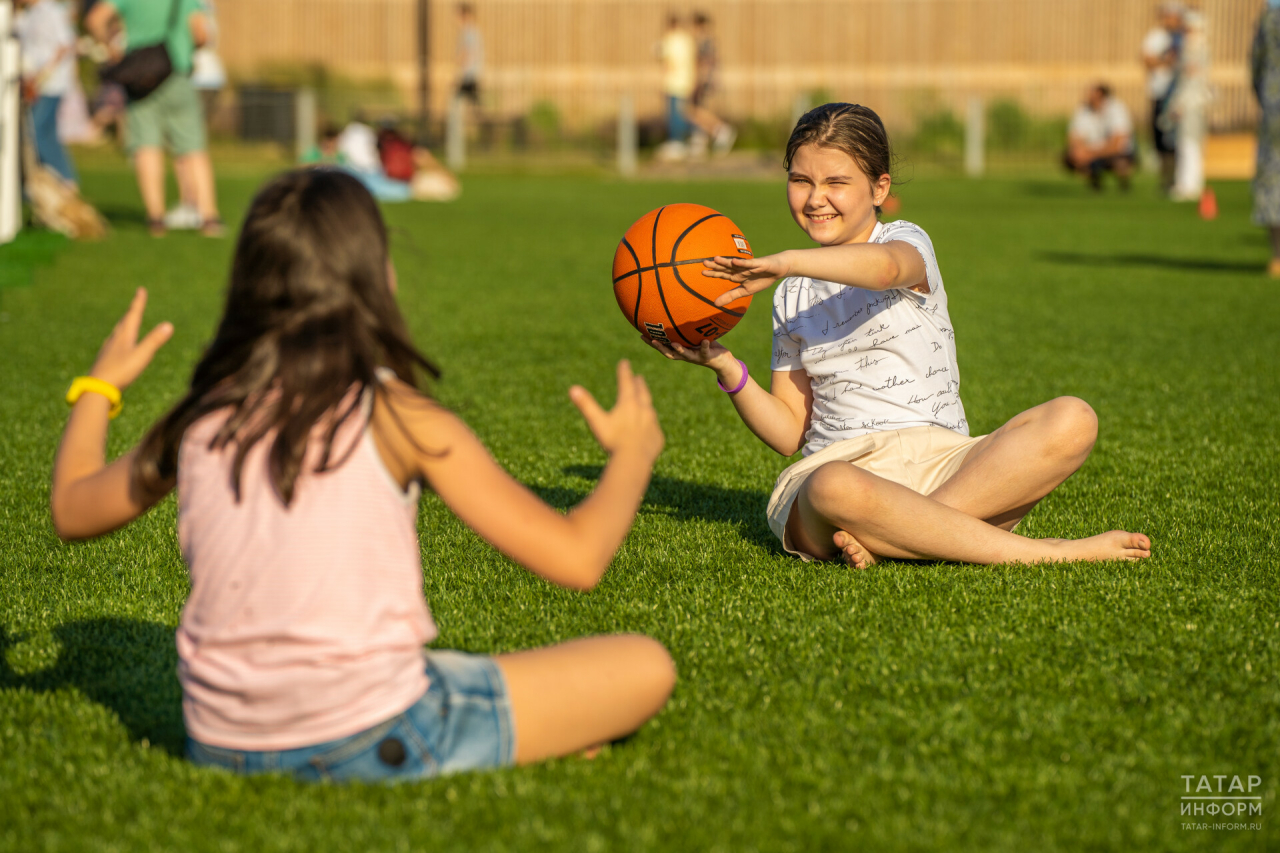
(909, 707)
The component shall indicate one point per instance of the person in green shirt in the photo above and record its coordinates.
(172, 115)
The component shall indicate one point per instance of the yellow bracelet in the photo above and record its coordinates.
(81, 384)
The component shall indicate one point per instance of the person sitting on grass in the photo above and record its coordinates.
(865, 382)
(1100, 138)
(298, 454)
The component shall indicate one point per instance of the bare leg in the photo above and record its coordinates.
(1013, 468)
(1008, 472)
(1273, 268)
(148, 163)
(199, 170)
(186, 181)
(893, 521)
(583, 693)
(966, 519)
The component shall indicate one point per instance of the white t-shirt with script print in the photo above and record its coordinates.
(877, 360)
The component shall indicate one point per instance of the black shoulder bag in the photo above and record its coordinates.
(143, 69)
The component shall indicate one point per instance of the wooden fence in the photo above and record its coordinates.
(903, 57)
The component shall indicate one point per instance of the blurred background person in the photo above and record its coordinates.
(1100, 138)
(1160, 56)
(710, 127)
(172, 115)
(208, 76)
(1190, 99)
(44, 31)
(679, 55)
(1265, 68)
(470, 54)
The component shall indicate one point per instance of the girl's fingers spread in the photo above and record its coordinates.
(156, 338)
(586, 404)
(132, 319)
(643, 396)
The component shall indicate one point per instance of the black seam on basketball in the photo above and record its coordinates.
(710, 302)
(635, 315)
(676, 245)
(657, 279)
(640, 269)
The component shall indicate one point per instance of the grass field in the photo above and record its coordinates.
(909, 707)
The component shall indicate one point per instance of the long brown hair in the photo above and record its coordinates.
(852, 128)
(309, 317)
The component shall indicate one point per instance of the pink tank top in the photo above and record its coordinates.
(305, 624)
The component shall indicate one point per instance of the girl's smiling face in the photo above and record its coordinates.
(831, 198)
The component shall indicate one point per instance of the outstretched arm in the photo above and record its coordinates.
(571, 550)
(872, 266)
(779, 417)
(90, 497)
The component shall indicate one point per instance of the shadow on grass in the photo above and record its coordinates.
(119, 215)
(1054, 189)
(683, 500)
(1160, 261)
(126, 665)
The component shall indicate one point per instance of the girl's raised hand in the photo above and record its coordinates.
(632, 423)
(123, 357)
(751, 274)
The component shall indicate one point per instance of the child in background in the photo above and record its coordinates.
(865, 382)
(298, 454)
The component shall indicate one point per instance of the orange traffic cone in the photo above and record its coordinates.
(1208, 204)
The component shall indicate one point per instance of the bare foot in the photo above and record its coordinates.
(852, 552)
(1114, 545)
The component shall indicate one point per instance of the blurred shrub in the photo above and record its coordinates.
(339, 98)
(938, 133)
(1008, 125)
(544, 120)
(756, 134)
(1011, 128)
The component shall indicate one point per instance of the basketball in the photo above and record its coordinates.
(658, 280)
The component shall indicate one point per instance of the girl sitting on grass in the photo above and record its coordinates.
(865, 381)
(298, 454)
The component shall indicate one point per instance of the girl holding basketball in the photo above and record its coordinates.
(298, 454)
(865, 382)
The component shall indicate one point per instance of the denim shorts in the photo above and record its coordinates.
(463, 722)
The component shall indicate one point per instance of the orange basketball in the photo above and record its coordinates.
(658, 280)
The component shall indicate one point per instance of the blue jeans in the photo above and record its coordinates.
(44, 118)
(677, 124)
(463, 722)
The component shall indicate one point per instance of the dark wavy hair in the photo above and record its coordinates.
(309, 318)
(852, 128)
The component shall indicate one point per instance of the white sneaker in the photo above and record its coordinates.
(698, 143)
(725, 137)
(184, 217)
(672, 151)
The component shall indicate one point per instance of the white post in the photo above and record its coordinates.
(628, 138)
(455, 143)
(10, 175)
(304, 120)
(975, 139)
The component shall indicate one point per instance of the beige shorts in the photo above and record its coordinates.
(920, 458)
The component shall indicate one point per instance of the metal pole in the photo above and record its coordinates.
(975, 139)
(627, 136)
(424, 69)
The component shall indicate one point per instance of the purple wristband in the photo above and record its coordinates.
(741, 384)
